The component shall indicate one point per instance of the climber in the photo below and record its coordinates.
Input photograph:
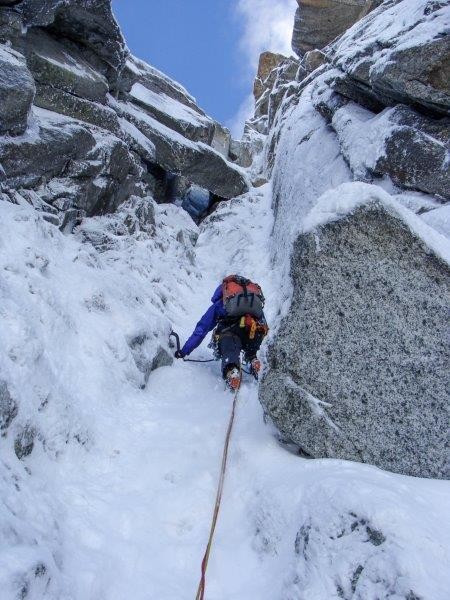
(238, 318)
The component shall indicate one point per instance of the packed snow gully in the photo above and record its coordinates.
(133, 466)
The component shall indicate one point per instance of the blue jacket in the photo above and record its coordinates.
(207, 323)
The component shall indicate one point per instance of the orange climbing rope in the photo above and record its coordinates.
(202, 584)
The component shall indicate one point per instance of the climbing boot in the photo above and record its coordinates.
(233, 379)
(255, 367)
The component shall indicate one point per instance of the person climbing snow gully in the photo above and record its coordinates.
(238, 317)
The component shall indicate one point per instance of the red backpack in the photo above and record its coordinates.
(242, 297)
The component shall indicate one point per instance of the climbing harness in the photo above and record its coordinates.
(202, 585)
(178, 344)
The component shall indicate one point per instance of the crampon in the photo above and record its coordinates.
(233, 379)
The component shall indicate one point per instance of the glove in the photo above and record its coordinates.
(179, 354)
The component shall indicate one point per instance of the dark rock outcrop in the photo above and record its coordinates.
(319, 22)
(129, 128)
(8, 407)
(196, 161)
(359, 368)
(55, 65)
(24, 442)
(63, 158)
(402, 65)
(64, 103)
(16, 91)
(90, 24)
(416, 152)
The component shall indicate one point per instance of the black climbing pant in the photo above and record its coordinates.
(231, 343)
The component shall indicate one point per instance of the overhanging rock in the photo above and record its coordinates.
(196, 161)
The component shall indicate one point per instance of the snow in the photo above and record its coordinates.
(139, 138)
(439, 219)
(339, 202)
(362, 136)
(10, 56)
(389, 29)
(167, 105)
(140, 68)
(116, 497)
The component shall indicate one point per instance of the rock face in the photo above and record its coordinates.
(53, 65)
(65, 160)
(274, 72)
(16, 92)
(197, 162)
(88, 23)
(394, 61)
(401, 143)
(319, 22)
(359, 368)
(268, 62)
(112, 126)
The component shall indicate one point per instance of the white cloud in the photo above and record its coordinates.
(267, 25)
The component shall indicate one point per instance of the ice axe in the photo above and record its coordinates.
(178, 346)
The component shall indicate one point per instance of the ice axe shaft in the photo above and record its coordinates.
(177, 339)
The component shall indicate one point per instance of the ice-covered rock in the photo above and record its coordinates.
(173, 114)
(274, 72)
(265, 76)
(89, 23)
(8, 407)
(410, 148)
(198, 162)
(359, 367)
(16, 91)
(63, 158)
(400, 53)
(54, 64)
(138, 71)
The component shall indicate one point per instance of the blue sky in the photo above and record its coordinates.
(210, 46)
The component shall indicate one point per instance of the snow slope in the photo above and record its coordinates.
(126, 513)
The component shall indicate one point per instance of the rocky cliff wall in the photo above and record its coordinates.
(371, 107)
(84, 125)
(319, 22)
